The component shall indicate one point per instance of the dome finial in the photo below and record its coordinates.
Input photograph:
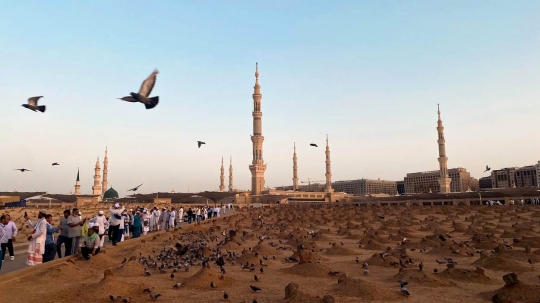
(256, 70)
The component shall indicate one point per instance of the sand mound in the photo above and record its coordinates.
(131, 268)
(249, 257)
(205, 276)
(415, 275)
(520, 292)
(365, 290)
(466, 275)
(500, 264)
(109, 285)
(64, 270)
(309, 270)
(339, 251)
(263, 248)
(294, 295)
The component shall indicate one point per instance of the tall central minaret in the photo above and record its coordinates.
(105, 183)
(222, 177)
(444, 180)
(257, 166)
(77, 184)
(328, 169)
(231, 188)
(294, 170)
(96, 189)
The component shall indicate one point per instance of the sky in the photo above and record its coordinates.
(367, 73)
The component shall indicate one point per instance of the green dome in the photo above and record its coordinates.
(110, 194)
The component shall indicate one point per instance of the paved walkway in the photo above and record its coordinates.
(20, 256)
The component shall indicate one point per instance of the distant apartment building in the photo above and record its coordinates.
(427, 182)
(537, 166)
(510, 177)
(366, 187)
(485, 182)
(400, 187)
(503, 178)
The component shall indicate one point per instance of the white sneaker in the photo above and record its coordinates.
(12, 258)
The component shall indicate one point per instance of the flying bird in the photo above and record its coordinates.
(199, 143)
(487, 168)
(135, 188)
(144, 92)
(22, 169)
(32, 104)
(55, 163)
(313, 144)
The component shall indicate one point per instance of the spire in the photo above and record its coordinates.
(257, 167)
(231, 187)
(328, 168)
(96, 189)
(222, 177)
(444, 180)
(295, 169)
(105, 182)
(77, 184)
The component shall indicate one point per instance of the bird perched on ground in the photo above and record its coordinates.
(148, 290)
(55, 163)
(313, 144)
(126, 300)
(254, 288)
(177, 285)
(357, 259)
(199, 143)
(366, 272)
(32, 104)
(403, 287)
(212, 284)
(487, 168)
(144, 92)
(154, 297)
(421, 266)
(22, 169)
(135, 188)
(225, 296)
(255, 278)
(114, 298)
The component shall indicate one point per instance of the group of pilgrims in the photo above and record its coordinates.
(86, 236)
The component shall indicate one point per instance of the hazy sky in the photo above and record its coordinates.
(368, 73)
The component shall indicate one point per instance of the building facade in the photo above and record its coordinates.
(516, 177)
(485, 182)
(366, 187)
(503, 178)
(428, 182)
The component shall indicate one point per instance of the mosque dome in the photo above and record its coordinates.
(110, 194)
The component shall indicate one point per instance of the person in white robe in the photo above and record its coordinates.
(103, 224)
(36, 248)
(181, 215)
(172, 218)
(157, 215)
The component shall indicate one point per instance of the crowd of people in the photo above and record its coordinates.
(86, 236)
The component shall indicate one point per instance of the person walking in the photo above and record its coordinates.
(50, 247)
(36, 248)
(75, 229)
(10, 230)
(2, 237)
(137, 225)
(63, 238)
(116, 217)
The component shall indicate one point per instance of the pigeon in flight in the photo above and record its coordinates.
(22, 169)
(135, 188)
(487, 168)
(55, 163)
(199, 143)
(313, 144)
(32, 104)
(144, 92)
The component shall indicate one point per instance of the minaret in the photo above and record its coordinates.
(294, 170)
(77, 184)
(104, 184)
(96, 189)
(257, 166)
(231, 188)
(222, 177)
(328, 169)
(444, 180)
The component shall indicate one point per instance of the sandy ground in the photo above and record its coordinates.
(317, 249)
